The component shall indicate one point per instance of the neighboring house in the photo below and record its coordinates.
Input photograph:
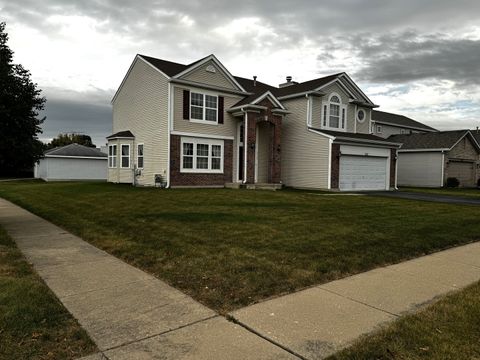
(428, 159)
(72, 162)
(198, 125)
(385, 124)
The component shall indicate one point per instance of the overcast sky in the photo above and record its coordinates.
(418, 58)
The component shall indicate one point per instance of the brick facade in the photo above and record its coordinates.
(393, 162)
(274, 146)
(335, 168)
(178, 178)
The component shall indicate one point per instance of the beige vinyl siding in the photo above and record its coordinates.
(119, 174)
(388, 130)
(263, 152)
(317, 107)
(228, 128)
(141, 106)
(316, 102)
(202, 76)
(305, 155)
(364, 127)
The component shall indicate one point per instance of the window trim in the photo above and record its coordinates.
(143, 155)
(112, 157)
(122, 156)
(361, 121)
(378, 129)
(342, 114)
(204, 108)
(203, 141)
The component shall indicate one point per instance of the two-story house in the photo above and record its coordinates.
(385, 124)
(198, 125)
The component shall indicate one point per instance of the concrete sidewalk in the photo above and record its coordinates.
(128, 313)
(319, 321)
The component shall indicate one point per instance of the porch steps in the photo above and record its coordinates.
(258, 186)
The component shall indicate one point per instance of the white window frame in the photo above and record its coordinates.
(195, 142)
(122, 156)
(143, 156)
(378, 129)
(361, 121)
(204, 108)
(342, 114)
(112, 158)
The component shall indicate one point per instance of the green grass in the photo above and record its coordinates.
(230, 248)
(448, 329)
(461, 192)
(33, 322)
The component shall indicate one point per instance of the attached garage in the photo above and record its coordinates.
(72, 162)
(428, 160)
(364, 168)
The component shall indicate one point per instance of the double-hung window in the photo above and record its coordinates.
(203, 107)
(112, 156)
(125, 156)
(334, 114)
(140, 156)
(201, 155)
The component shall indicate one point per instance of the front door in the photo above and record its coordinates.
(241, 153)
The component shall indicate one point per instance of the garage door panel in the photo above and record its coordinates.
(362, 173)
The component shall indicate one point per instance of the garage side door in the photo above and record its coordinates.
(463, 171)
(363, 173)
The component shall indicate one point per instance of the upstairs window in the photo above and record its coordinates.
(112, 156)
(203, 107)
(334, 114)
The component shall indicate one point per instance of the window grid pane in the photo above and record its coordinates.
(196, 113)
(187, 148)
(188, 162)
(196, 99)
(202, 162)
(215, 163)
(202, 150)
(210, 115)
(211, 101)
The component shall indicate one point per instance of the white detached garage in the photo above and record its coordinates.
(72, 162)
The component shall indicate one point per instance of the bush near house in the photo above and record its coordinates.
(453, 182)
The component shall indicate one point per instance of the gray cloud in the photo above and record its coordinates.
(410, 56)
(86, 113)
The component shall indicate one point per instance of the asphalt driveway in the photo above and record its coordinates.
(426, 197)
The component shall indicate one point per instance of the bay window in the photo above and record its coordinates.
(125, 156)
(112, 156)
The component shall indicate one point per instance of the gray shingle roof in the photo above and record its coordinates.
(400, 120)
(431, 140)
(75, 150)
(122, 134)
(356, 136)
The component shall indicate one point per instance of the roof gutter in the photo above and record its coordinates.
(305, 93)
(363, 104)
(209, 87)
(405, 126)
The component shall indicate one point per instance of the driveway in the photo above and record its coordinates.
(426, 197)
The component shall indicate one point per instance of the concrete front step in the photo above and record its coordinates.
(257, 186)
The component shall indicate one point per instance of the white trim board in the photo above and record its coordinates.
(206, 136)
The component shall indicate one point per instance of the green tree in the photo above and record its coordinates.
(65, 139)
(20, 104)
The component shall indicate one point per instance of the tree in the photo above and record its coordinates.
(20, 104)
(65, 139)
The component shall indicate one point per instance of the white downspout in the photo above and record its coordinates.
(396, 169)
(443, 169)
(245, 144)
(169, 130)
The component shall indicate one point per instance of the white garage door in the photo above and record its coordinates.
(363, 173)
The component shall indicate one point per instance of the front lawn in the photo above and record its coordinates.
(461, 192)
(230, 248)
(448, 329)
(33, 322)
